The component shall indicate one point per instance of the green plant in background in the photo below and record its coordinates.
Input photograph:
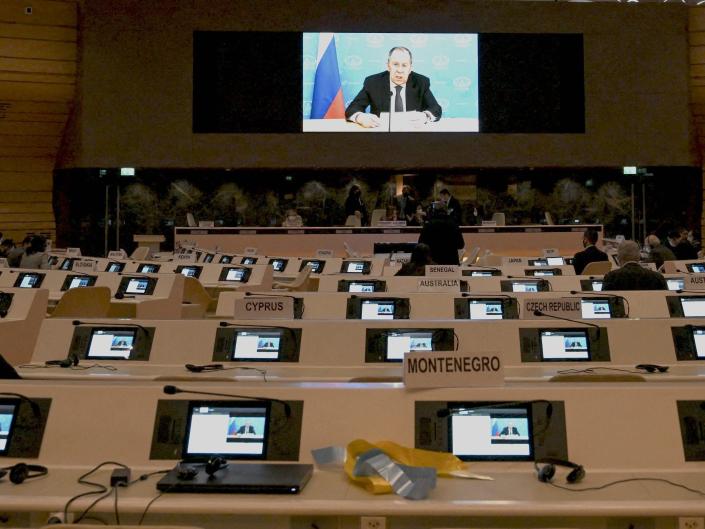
(229, 204)
(568, 201)
(182, 198)
(312, 203)
(141, 209)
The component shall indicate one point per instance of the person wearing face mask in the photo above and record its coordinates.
(590, 254)
(354, 205)
(396, 90)
(292, 219)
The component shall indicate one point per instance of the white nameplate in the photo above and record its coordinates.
(452, 369)
(4, 263)
(264, 308)
(186, 257)
(442, 270)
(524, 261)
(649, 266)
(391, 223)
(323, 253)
(570, 308)
(250, 250)
(551, 252)
(400, 257)
(438, 285)
(84, 265)
(117, 254)
(489, 222)
(695, 282)
(73, 252)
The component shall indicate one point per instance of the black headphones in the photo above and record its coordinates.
(188, 469)
(548, 470)
(22, 471)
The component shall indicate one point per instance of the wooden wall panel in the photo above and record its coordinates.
(696, 36)
(37, 89)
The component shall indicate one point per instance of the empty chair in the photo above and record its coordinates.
(499, 218)
(597, 268)
(83, 302)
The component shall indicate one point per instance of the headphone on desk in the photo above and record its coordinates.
(188, 469)
(546, 472)
(22, 471)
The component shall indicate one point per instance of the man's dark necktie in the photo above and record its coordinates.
(398, 104)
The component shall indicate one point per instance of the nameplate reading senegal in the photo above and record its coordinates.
(264, 308)
(442, 270)
(563, 307)
(452, 369)
(438, 285)
(695, 282)
(186, 257)
(83, 265)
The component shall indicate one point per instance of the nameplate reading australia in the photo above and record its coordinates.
(442, 270)
(264, 308)
(694, 282)
(438, 285)
(83, 265)
(452, 369)
(186, 257)
(570, 308)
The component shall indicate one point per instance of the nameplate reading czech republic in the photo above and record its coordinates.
(452, 369)
(264, 308)
(570, 308)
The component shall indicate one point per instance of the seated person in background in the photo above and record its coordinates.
(419, 216)
(14, 256)
(354, 205)
(6, 246)
(590, 254)
(658, 253)
(631, 275)
(420, 257)
(677, 242)
(391, 214)
(443, 235)
(35, 256)
(292, 219)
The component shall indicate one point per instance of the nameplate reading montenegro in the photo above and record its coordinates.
(264, 308)
(452, 369)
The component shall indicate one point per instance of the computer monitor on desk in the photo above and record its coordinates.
(29, 280)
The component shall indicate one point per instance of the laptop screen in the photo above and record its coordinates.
(257, 345)
(29, 280)
(208, 258)
(699, 341)
(189, 271)
(316, 265)
(226, 259)
(137, 285)
(248, 260)
(74, 281)
(354, 267)
(555, 261)
(402, 342)
(693, 307)
(239, 275)
(560, 344)
(148, 269)
(8, 413)
(525, 286)
(597, 286)
(502, 433)
(697, 268)
(481, 273)
(115, 267)
(543, 273)
(377, 310)
(485, 309)
(595, 308)
(111, 343)
(66, 264)
(231, 429)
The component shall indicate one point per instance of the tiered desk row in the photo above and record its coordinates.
(612, 381)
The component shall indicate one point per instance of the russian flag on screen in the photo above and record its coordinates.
(327, 91)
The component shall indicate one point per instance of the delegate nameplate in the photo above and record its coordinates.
(73, 252)
(323, 253)
(695, 282)
(250, 250)
(452, 369)
(523, 261)
(570, 308)
(551, 252)
(117, 254)
(186, 257)
(84, 265)
(442, 270)
(438, 285)
(264, 308)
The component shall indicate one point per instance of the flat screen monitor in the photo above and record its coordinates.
(361, 286)
(402, 342)
(29, 280)
(231, 429)
(376, 309)
(595, 308)
(502, 433)
(564, 344)
(53, 259)
(111, 343)
(148, 268)
(699, 341)
(189, 271)
(8, 414)
(115, 267)
(555, 261)
(316, 265)
(485, 309)
(696, 268)
(78, 281)
(257, 345)
(525, 286)
(208, 258)
(279, 264)
(675, 283)
(226, 259)
(481, 273)
(540, 273)
(138, 286)
(355, 267)
(248, 260)
(693, 307)
(66, 264)
(596, 285)
(538, 262)
(235, 274)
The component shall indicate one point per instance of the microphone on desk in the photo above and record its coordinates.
(111, 324)
(684, 291)
(603, 294)
(547, 315)
(173, 390)
(121, 295)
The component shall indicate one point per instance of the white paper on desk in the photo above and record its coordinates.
(402, 122)
(469, 475)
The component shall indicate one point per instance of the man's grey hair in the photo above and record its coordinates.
(400, 48)
(627, 252)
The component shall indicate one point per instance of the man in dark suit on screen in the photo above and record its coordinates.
(398, 89)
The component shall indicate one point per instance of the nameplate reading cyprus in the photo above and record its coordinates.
(442, 270)
(562, 307)
(264, 308)
(452, 369)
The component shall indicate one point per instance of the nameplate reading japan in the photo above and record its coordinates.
(84, 265)
(695, 282)
(269, 308)
(442, 270)
(562, 307)
(438, 285)
(452, 369)
(186, 257)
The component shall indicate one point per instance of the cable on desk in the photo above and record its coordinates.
(629, 480)
(144, 513)
(95, 502)
(101, 489)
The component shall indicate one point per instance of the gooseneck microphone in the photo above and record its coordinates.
(547, 315)
(35, 407)
(602, 294)
(173, 390)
